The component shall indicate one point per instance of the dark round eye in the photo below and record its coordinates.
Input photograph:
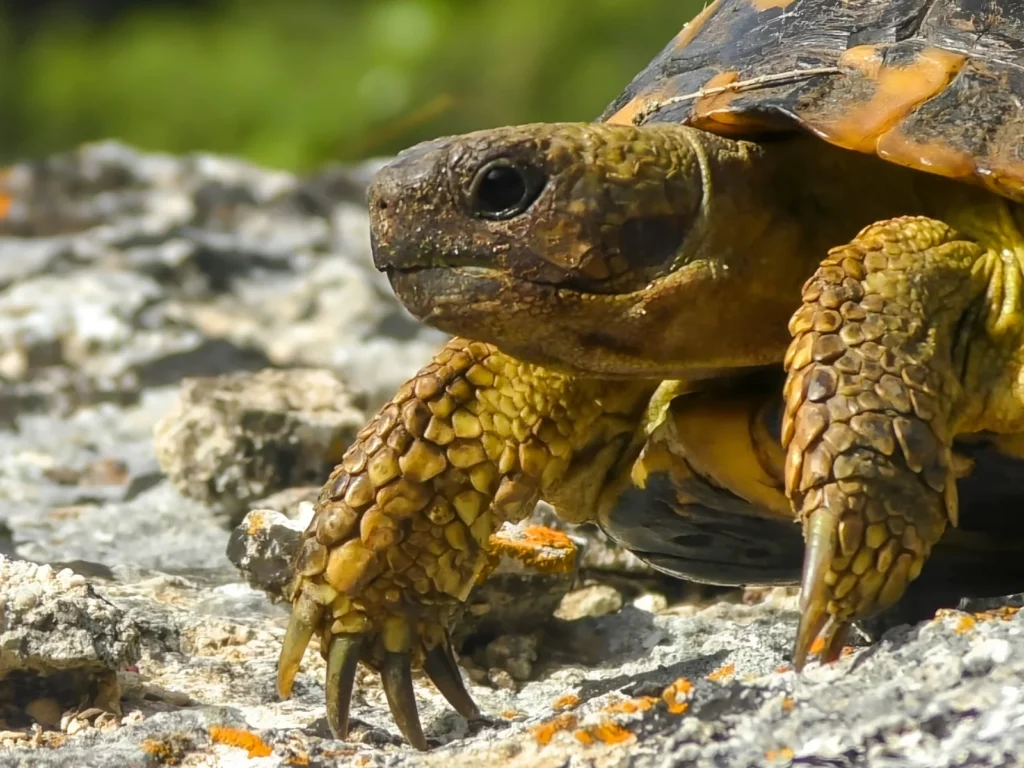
(502, 190)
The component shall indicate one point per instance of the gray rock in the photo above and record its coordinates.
(232, 439)
(61, 644)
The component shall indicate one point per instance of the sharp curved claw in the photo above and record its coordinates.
(443, 670)
(304, 618)
(835, 634)
(342, 659)
(821, 535)
(396, 677)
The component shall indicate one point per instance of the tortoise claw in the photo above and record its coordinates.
(342, 659)
(396, 677)
(303, 621)
(443, 670)
(821, 534)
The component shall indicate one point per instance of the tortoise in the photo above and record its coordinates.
(761, 322)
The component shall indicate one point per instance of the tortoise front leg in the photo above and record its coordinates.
(402, 528)
(880, 373)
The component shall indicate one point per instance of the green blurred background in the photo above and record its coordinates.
(298, 83)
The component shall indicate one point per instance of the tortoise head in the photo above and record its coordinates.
(595, 247)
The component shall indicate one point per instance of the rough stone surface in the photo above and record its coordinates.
(123, 273)
(235, 438)
(60, 643)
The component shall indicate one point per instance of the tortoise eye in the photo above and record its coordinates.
(502, 190)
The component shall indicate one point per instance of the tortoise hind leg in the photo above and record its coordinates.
(881, 377)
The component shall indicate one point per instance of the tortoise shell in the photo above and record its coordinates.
(935, 85)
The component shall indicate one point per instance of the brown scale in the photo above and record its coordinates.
(866, 468)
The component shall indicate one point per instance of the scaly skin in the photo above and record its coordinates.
(883, 375)
(601, 261)
(402, 529)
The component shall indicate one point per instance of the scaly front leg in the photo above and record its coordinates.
(887, 364)
(402, 528)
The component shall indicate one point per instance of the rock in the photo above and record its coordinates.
(595, 600)
(61, 644)
(232, 439)
(262, 547)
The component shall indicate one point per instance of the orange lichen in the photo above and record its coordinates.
(545, 732)
(722, 673)
(538, 547)
(675, 695)
(569, 701)
(899, 89)
(5, 198)
(780, 754)
(238, 737)
(1005, 613)
(783, 668)
(847, 650)
(788, 704)
(606, 732)
(965, 625)
(630, 706)
(511, 714)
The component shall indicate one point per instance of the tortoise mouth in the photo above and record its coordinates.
(433, 294)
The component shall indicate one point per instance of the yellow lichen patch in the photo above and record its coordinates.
(569, 701)
(511, 714)
(933, 156)
(536, 546)
(237, 737)
(965, 625)
(630, 706)
(783, 668)
(606, 732)
(1004, 613)
(545, 732)
(898, 91)
(694, 25)
(780, 754)
(788, 704)
(723, 673)
(675, 696)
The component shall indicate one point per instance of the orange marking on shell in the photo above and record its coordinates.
(933, 156)
(5, 197)
(715, 113)
(694, 25)
(898, 91)
(625, 115)
(764, 5)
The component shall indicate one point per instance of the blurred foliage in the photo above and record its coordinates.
(298, 83)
